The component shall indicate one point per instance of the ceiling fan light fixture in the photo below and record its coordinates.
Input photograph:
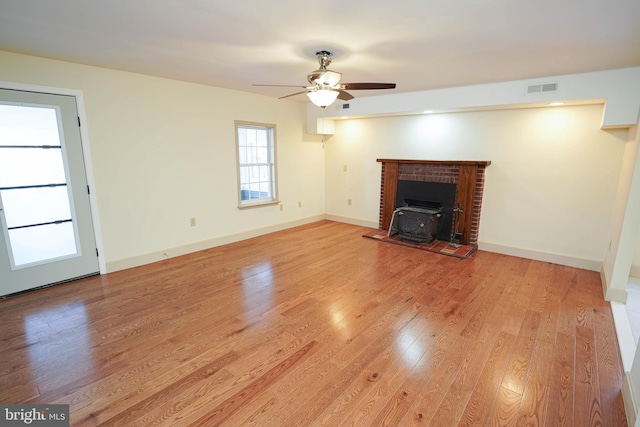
(323, 97)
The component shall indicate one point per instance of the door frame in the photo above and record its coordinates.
(86, 153)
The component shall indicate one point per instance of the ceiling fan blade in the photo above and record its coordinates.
(367, 86)
(345, 96)
(278, 85)
(294, 94)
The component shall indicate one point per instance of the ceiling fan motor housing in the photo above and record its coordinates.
(322, 77)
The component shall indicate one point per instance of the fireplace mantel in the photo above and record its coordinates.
(467, 174)
(438, 162)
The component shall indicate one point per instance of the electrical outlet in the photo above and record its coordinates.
(281, 207)
(192, 222)
(299, 204)
(344, 168)
(349, 202)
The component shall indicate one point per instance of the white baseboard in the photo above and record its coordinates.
(354, 221)
(156, 256)
(610, 293)
(626, 342)
(586, 264)
(627, 346)
(630, 399)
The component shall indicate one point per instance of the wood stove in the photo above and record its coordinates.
(416, 222)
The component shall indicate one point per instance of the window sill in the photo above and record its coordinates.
(259, 204)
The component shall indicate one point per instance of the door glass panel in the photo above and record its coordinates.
(31, 155)
(31, 166)
(35, 205)
(44, 242)
(23, 125)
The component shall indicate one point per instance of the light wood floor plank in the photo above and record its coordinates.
(562, 382)
(317, 325)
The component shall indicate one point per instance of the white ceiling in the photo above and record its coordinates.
(420, 44)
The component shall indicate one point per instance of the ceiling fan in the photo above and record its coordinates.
(325, 84)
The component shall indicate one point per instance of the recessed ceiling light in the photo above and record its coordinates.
(427, 112)
(556, 104)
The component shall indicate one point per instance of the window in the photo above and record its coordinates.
(256, 148)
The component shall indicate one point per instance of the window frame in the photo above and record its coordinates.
(272, 144)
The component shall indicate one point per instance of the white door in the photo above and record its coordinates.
(46, 232)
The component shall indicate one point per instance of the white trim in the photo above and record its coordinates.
(584, 263)
(353, 221)
(627, 346)
(605, 282)
(86, 153)
(630, 399)
(616, 295)
(626, 342)
(610, 293)
(156, 256)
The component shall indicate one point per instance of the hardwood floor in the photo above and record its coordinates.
(319, 326)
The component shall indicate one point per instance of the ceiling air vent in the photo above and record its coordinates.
(542, 88)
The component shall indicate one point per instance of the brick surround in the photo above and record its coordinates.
(467, 175)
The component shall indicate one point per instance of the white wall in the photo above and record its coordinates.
(635, 266)
(549, 190)
(163, 151)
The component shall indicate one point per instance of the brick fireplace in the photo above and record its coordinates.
(468, 176)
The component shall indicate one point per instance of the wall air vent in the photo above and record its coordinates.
(542, 88)
(345, 106)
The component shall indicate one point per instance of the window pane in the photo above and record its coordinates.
(21, 125)
(264, 173)
(265, 189)
(31, 166)
(244, 192)
(242, 155)
(262, 155)
(254, 174)
(35, 205)
(242, 137)
(251, 155)
(244, 174)
(251, 137)
(41, 243)
(262, 138)
(255, 191)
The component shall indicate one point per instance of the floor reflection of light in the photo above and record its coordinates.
(62, 345)
(257, 286)
(410, 343)
(338, 319)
